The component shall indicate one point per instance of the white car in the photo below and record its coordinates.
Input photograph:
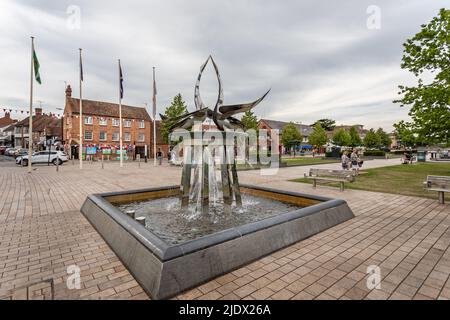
(55, 157)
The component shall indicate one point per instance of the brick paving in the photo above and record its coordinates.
(42, 232)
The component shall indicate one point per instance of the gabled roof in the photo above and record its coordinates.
(279, 125)
(50, 124)
(107, 109)
(6, 121)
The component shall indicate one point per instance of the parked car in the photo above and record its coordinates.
(2, 149)
(21, 153)
(43, 157)
(10, 151)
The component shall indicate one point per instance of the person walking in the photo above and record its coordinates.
(354, 159)
(344, 161)
(159, 156)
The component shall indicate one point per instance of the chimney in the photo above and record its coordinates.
(68, 91)
(7, 115)
(38, 111)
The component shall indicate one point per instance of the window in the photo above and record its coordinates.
(127, 136)
(67, 119)
(17, 130)
(103, 135)
(127, 123)
(141, 124)
(115, 122)
(115, 136)
(88, 120)
(141, 137)
(103, 121)
(88, 135)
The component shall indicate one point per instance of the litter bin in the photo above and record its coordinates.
(421, 156)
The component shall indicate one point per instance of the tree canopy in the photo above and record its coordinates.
(326, 124)
(341, 138)
(177, 108)
(355, 139)
(372, 140)
(318, 137)
(385, 140)
(249, 120)
(290, 136)
(427, 55)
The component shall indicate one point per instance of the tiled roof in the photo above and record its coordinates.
(50, 124)
(275, 124)
(5, 121)
(107, 109)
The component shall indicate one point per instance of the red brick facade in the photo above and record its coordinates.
(101, 126)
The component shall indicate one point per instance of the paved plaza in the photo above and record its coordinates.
(42, 232)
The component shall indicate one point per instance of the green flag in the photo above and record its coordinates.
(36, 67)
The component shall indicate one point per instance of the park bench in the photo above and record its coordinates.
(328, 175)
(440, 184)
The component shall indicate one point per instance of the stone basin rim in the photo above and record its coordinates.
(165, 252)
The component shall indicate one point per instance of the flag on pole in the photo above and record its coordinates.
(81, 69)
(37, 75)
(154, 94)
(121, 81)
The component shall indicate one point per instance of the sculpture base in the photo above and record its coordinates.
(165, 270)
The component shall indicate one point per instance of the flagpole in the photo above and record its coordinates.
(120, 118)
(30, 118)
(80, 151)
(154, 120)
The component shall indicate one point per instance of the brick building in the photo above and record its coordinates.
(6, 136)
(101, 127)
(45, 127)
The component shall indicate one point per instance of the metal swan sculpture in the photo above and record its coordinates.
(222, 115)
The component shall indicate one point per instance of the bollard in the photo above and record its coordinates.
(131, 213)
(57, 163)
(141, 220)
(73, 161)
(102, 162)
(139, 160)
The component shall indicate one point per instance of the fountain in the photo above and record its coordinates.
(177, 237)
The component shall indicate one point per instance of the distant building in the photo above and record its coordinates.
(101, 126)
(46, 128)
(6, 130)
(270, 125)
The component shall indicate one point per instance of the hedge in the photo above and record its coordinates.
(374, 153)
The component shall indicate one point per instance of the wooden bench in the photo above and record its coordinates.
(440, 184)
(328, 175)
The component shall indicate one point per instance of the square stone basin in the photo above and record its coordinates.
(165, 269)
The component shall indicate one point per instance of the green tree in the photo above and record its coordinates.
(427, 54)
(326, 124)
(372, 140)
(249, 120)
(177, 108)
(406, 136)
(290, 136)
(385, 140)
(341, 138)
(318, 137)
(355, 139)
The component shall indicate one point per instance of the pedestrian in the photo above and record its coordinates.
(344, 160)
(354, 159)
(159, 156)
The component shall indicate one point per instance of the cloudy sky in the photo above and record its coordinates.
(322, 59)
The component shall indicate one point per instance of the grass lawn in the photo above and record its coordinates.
(300, 161)
(306, 161)
(402, 179)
